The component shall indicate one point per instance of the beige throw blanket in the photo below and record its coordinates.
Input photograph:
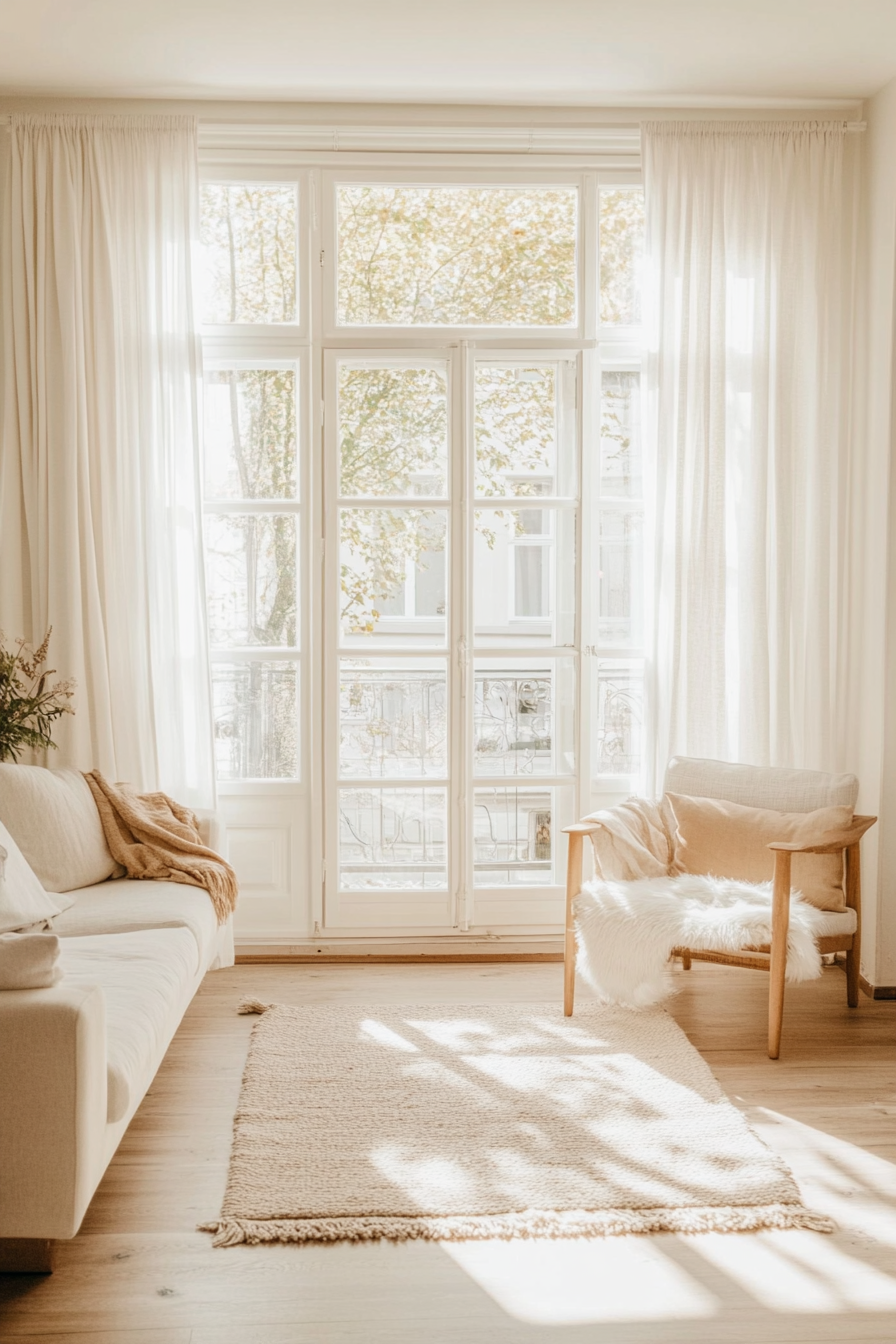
(153, 837)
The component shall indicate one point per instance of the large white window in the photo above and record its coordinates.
(426, 637)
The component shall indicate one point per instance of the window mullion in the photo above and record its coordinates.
(462, 633)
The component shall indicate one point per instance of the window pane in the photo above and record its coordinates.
(620, 435)
(620, 579)
(250, 434)
(250, 562)
(525, 429)
(532, 572)
(248, 235)
(524, 566)
(524, 717)
(620, 716)
(430, 584)
(393, 838)
(621, 254)
(457, 256)
(393, 576)
(516, 835)
(393, 431)
(256, 720)
(393, 720)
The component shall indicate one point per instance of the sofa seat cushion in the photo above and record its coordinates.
(147, 979)
(126, 906)
(54, 820)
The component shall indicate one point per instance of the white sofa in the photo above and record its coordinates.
(76, 1059)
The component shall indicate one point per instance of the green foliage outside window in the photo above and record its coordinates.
(457, 256)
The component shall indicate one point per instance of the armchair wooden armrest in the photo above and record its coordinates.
(832, 842)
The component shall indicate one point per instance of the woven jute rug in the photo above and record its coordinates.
(458, 1122)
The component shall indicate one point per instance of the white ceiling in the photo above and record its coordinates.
(482, 51)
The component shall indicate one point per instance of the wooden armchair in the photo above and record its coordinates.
(779, 790)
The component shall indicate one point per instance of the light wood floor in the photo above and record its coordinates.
(138, 1273)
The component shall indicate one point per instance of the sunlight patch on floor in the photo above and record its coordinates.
(802, 1272)
(855, 1187)
(617, 1279)
(584, 1281)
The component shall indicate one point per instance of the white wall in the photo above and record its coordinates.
(870, 714)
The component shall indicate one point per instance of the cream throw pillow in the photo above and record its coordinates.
(728, 840)
(54, 820)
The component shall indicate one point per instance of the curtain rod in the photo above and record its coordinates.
(6, 117)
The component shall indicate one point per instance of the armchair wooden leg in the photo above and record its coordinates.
(852, 978)
(853, 902)
(778, 951)
(573, 887)
(685, 958)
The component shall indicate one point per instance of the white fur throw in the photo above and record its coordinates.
(626, 931)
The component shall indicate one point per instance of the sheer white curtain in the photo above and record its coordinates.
(748, 277)
(99, 493)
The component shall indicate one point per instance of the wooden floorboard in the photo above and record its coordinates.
(139, 1273)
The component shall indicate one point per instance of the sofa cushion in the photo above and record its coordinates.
(147, 980)
(727, 840)
(23, 901)
(126, 906)
(52, 815)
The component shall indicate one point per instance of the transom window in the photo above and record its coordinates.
(410, 256)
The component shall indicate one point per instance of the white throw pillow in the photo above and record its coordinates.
(52, 816)
(23, 901)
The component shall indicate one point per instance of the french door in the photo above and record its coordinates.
(450, 602)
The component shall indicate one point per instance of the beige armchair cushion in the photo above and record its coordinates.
(771, 786)
(727, 840)
(52, 817)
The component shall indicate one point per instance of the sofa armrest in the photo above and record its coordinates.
(52, 1107)
(213, 831)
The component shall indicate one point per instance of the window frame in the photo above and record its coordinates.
(309, 341)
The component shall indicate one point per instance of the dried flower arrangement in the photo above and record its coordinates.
(29, 706)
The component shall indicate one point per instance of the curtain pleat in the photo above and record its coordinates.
(748, 277)
(99, 493)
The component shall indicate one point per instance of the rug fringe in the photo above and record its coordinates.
(250, 1005)
(512, 1226)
